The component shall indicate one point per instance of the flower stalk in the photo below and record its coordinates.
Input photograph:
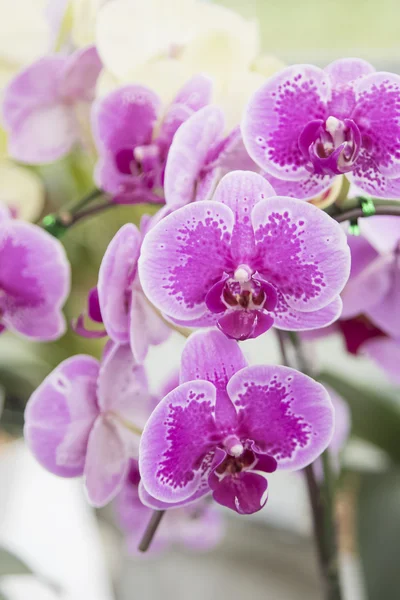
(321, 495)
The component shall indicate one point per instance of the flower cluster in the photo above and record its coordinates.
(239, 247)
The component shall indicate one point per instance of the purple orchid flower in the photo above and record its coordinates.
(34, 280)
(307, 125)
(118, 300)
(133, 139)
(246, 260)
(200, 156)
(42, 104)
(198, 527)
(373, 288)
(86, 419)
(227, 426)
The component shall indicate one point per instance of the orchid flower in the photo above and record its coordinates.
(246, 260)
(118, 300)
(34, 280)
(86, 418)
(42, 105)
(306, 126)
(133, 137)
(228, 426)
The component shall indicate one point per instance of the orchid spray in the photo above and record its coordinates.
(225, 242)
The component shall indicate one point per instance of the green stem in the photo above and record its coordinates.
(321, 496)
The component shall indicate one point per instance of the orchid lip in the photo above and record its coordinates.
(332, 146)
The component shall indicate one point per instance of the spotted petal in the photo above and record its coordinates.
(178, 442)
(60, 414)
(288, 415)
(276, 116)
(303, 252)
(377, 115)
(184, 255)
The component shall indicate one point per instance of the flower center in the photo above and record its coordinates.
(332, 146)
(145, 162)
(236, 464)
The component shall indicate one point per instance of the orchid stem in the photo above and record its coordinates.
(356, 213)
(151, 530)
(321, 496)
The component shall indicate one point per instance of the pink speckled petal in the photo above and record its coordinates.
(289, 319)
(367, 289)
(184, 255)
(241, 191)
(178, 442)
(377, 115)
(116, 274)
(288, 415)
(107, 462)
(147, 328)
(121, 121)
(303, 252)
(385, 314)
(80, 75)
(383, 233)
(276, 116)
(122, 387)
(386, 353)
(35, 281)
(60, 414)
(369, 179)
(188, 154)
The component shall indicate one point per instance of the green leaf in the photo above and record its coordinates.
(10, 564)
(378, 531)
(375, 416)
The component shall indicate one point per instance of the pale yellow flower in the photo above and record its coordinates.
(162, 44)
(25, 35)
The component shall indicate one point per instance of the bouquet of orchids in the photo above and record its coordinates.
(269, 203)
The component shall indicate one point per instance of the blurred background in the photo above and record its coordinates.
(53, 545)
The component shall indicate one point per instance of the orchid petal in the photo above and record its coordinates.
(188, 154)
(175, 268)
(304, 252)
(288, 415)
(107, 462)
(116, 274)
(276, 116)
(178, 441)
(60, 414)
